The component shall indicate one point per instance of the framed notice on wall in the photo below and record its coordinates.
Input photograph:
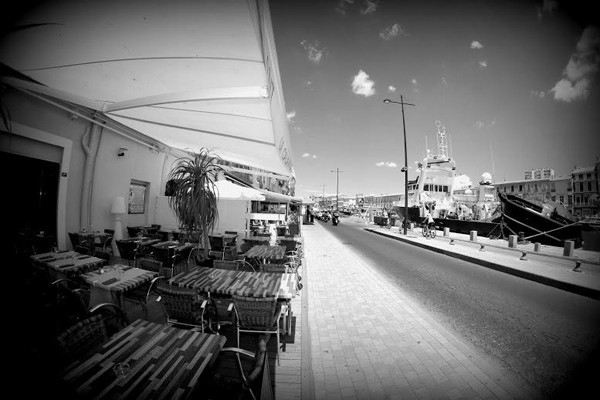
(137, 197)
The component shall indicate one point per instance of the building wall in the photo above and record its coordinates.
(586, 190)
(42, 130)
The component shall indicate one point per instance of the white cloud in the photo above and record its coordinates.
(361, 84)
(391, 89)
(314, 50)
(581, 68)
(389, 164)
(369, 7)
(483, 124)
(479, 124)
(476, 45)
(290, 116)
(341, 6)
(415, 85)
(483, 64)
(444, 82)
(308, 155)
(392, 31)
(538, 93)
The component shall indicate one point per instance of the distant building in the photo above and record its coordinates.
(586, 189)
(540, 185)
(539, 173)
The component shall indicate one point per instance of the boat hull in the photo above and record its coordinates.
(523, 216)
(483, 228)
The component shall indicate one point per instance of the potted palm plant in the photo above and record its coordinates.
(193, 198)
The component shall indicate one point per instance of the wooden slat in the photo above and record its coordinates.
(165, 362)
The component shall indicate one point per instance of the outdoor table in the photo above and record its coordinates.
(206, 280)
(156, 361)
(68, 263)
(266, 252)
(110, 283)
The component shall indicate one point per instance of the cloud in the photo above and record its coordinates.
(479, 124)
(308, 155)
(361, 84)
(391, 89)
(482, 124)
(538, 93)
(444, 82)
(392, 31)
(483, 64)
(290, 116)
(389, 164)
(476, 45)
(581, 68)
(369, 7)
(548, 7)
(341, 6)
(315, 53)
(415, 85)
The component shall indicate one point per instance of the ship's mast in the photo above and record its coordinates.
(442, 142)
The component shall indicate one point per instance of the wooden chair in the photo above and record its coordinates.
(257, 315)
(184, 307)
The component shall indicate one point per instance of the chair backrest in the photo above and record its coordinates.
(183, 305)
(81, 338)
(127, 249)
(149, 264)
(74, 239)
(244, 265)
(275, 268)
(100, 323)
(256, 312)
(225, 264)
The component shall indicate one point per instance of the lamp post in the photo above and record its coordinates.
(337, 188)
(405, 169)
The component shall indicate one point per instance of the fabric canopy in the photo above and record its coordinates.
(188, 74)
(230, 191)
(278, 197)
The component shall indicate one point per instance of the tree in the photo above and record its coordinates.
(193, 197)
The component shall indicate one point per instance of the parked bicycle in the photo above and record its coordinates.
(428, 229)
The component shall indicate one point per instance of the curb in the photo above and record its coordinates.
(569, 287)
(306, 380)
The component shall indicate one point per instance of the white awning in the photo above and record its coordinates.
(230, 191)
(279, 197)
(189, 74)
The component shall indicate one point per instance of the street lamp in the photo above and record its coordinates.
(405, 169)
(337, 188)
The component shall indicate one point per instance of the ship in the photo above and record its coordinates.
(450, 198)
(538, 223)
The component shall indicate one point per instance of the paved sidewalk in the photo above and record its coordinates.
(369, 340)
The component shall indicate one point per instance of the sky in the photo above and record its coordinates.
(514, 83)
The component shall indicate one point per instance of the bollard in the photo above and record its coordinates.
(412, 226)
(512, 241)
(537, 246)
(473, 236)
(446, 232)
(521, 237)
(569, 248)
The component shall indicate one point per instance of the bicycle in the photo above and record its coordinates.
(428, 230)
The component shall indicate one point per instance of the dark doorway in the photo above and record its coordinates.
(30, 196)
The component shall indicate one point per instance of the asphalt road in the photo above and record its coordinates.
(550, 337)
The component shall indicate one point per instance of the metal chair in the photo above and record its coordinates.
(257, 315)
(144, 295)
(225, 264)
(184, 307)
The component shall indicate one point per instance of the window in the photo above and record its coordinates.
(426, 187)
(520, 188)
(581, 186)
(561, 199)
(589, 186)
(137, 197)
(512, 188)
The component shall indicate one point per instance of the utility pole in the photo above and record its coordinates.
(323, 197)
(405, 169)
(337, 188)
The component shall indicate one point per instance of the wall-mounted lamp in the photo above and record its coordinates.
(121, 152)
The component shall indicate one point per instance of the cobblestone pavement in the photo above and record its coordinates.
(369, 340)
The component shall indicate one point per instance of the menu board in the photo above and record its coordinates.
(137, 197)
